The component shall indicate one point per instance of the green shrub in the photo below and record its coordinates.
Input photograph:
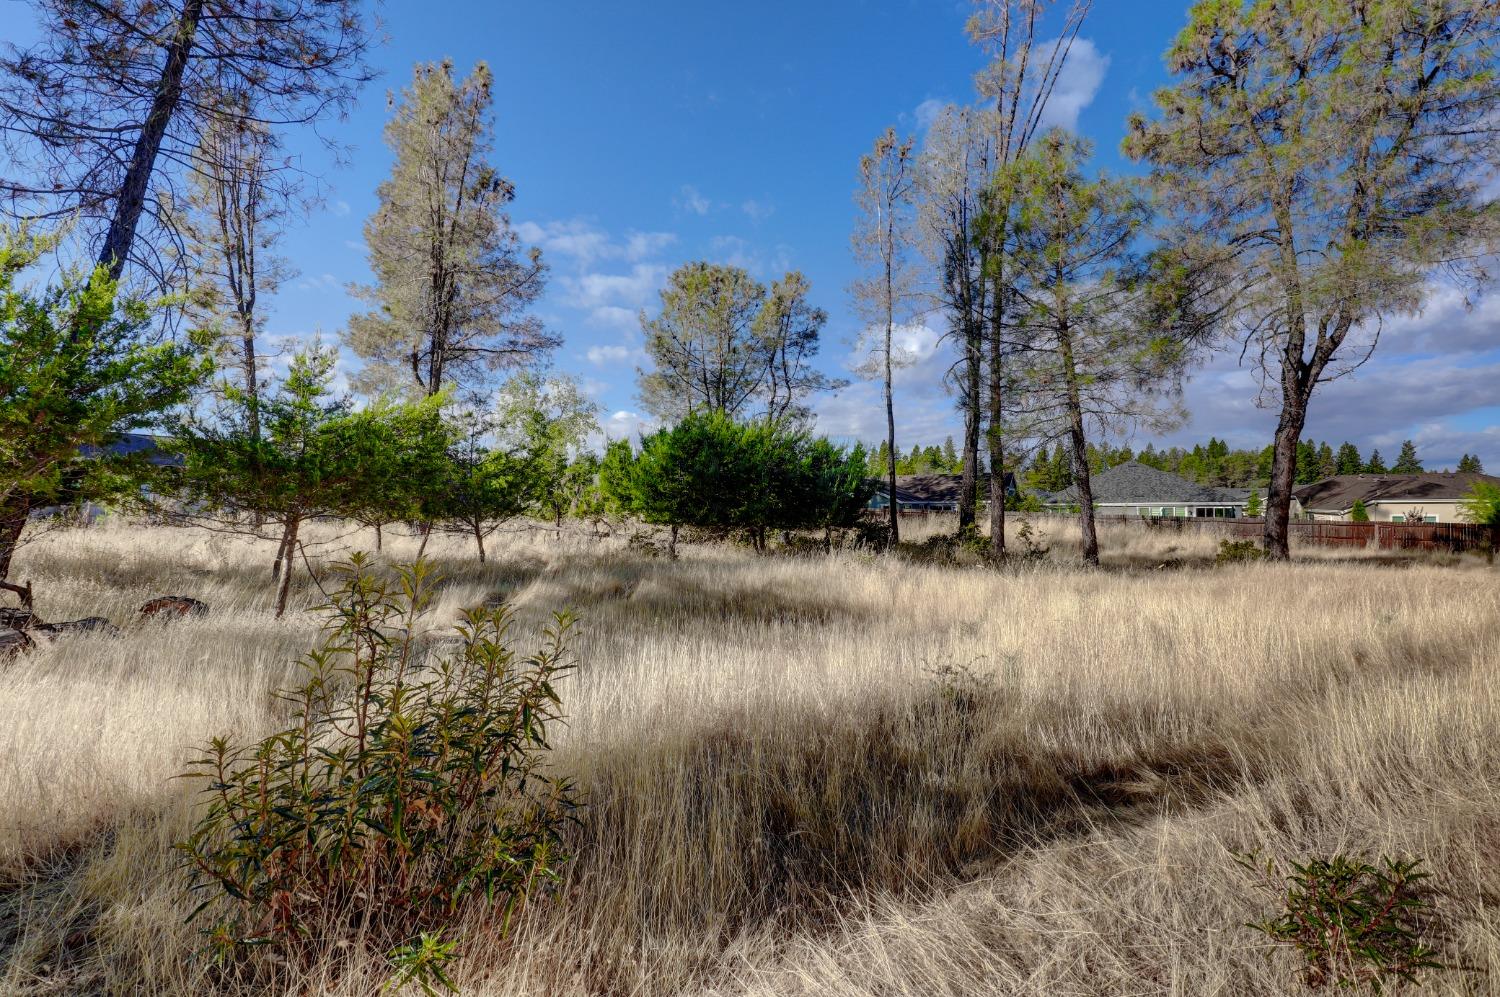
(407, 789)
(1239, 552)
(1358, 513)
(1031, 544)
(1356, 924)
(1482, 504)
(713, 473)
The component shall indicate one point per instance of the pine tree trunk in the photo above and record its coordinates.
(672, 543)
(289, 547)
(479, 539)
(890, 429)
(379, 537)
(134, 188)
(280, 553)
(1082, 480)
(426, 529)
(12, 524)
(968, 497)
(1283, 477)
(995, 434)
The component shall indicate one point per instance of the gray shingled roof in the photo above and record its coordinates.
(914, 489)
(1340, 492)
(1136, 483)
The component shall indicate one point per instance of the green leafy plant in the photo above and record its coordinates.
(1482, 504)
(1031, 543)
(1355, 923)
(1239, 552)
(1358, 513)
(424, 962)
(409, 787)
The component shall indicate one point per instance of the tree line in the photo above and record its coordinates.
(1215, 463)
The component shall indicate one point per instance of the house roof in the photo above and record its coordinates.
(1341, 491)
(137, 443)
(1136, 483)
(931, 488)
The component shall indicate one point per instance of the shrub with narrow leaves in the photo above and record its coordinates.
(1355, 923)
(407, 789)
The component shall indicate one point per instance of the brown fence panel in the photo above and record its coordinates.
(1455, 537)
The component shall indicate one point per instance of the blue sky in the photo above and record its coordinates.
(642, 135)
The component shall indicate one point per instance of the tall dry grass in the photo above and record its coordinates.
(840, 775)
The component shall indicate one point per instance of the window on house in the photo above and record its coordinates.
(1398, 519)
(1429, 519)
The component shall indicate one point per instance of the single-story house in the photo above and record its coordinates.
(149, 447)
(1136, 489)
(929, 492)
(145, 444)
(1428, 497)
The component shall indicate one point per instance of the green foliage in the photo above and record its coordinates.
(1407, 461)
(407, 790)
(1482, 504)
(423, 962)
(1031, 545)
(1356, 924)
(1348, 460)
(544, 422)
(314, 455)
(453, 285)
(1024, 503)
(1470, 464)
(1253, 505)
(722, 342)
(77, 369)
(1376, 463)
(1051, 471)
(1239, 552)
(711, 472)
(1358, 513)
(480, 487)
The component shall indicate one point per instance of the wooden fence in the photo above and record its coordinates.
(1455, 537)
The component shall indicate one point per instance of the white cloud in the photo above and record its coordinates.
(625, 425)
(600, 290)
(1449, 322)
(925, 411)
(757, 210)
(318, 282)
(644, 245)
(690, 200)
(604, 355)
(340, 208)
(587, 244)
(575, 238)
(615, 317)
(928, 111)
(1440, 445)
(733, 251)
(1078, 83)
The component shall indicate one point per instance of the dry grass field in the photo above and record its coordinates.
(840, 775)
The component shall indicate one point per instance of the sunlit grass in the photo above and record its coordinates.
(846, 774)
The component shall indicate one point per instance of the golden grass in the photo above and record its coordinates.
(785, 796)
